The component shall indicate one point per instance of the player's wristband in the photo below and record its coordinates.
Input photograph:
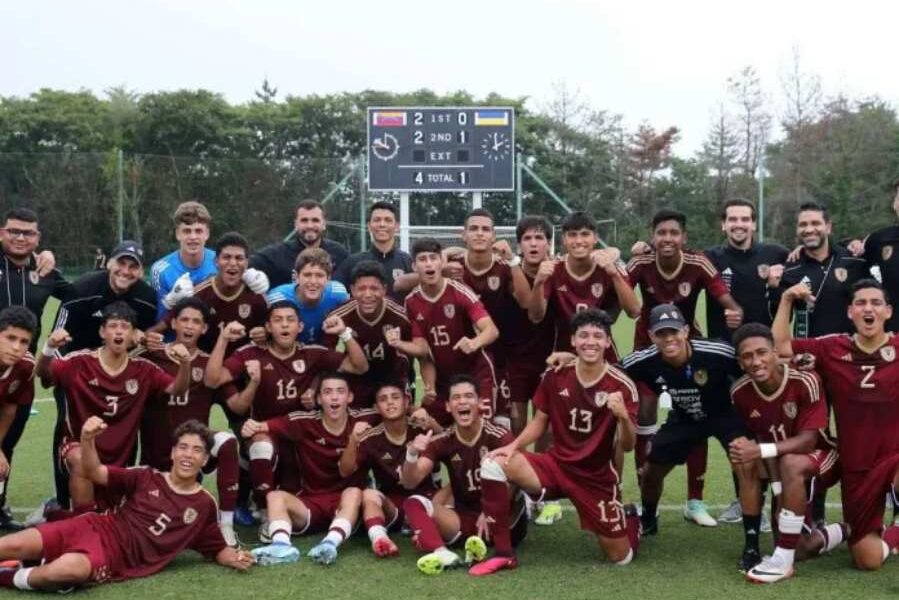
(768, 450)
(515, 261)
(48, 350)
(345, 335)
(411, 455)
(777, 488)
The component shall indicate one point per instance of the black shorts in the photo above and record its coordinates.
(675, 440)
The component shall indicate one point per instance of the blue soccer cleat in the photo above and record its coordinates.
(275, 554)
(325, 553)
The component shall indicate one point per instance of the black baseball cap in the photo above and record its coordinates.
(665, 316)
(131, 249)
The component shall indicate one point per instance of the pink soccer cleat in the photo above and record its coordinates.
(492, 565)
(383, 547)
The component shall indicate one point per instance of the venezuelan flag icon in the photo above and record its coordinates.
(495, 118)
(389, 119)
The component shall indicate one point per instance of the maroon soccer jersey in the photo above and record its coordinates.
(863, 392)
(161, 418)
(799, 405)
(319, 449)
(527, 343)
(583, 427)
(493, 286)
(385, 456)
(17, 382)
(385, 363)
(118, 399)
(567, 294)
(284, 379)
(463, 461)
(155, 523)
(695, 273)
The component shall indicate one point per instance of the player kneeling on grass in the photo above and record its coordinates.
(786, 411)
(161, 515)
(328, 501)
(460, 448)
(589, 405)
(382, 449)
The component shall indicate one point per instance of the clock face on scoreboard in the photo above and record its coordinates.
(436, 149)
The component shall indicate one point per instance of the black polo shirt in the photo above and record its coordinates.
(882, 251)
(81, 315)
(395, 263)
(277, 260)
(22, 286)
(745, 273)
(830, 280)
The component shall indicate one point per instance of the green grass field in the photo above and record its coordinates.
(683, 561)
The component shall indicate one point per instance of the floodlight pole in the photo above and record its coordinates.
(404, 221)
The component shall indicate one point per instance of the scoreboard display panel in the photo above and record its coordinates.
(441, 149)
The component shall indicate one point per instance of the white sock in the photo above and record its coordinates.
(886, 552)
(833, 537)
(376, 531)
(20, 579)
(788, 523)
(627, 559)
(226, 517)
(446, 556)
(280, 531)
(339, 531)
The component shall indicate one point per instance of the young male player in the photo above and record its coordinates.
(188, 320)
(328, 501)
(382, 450)
(591, 406)
(450, 325)
(107, 383)
(17, 327)
(379, 326)
(287, 370)
(786, 411)
(161, 515)
(460, 449)
(860, 372)
(669, 274)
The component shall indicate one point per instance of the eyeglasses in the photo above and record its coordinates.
(28, 234)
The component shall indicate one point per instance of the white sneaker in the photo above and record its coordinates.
(229, 534)
(696, 511)
(264, 535)
(732, 514)
(771, 570)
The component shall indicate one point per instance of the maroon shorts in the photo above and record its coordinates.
(523, 379)
(79, 536)
(597, 499)
(864, 494)
(827, 468)
(321, 509)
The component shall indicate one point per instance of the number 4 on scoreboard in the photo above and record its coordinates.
(418, 178)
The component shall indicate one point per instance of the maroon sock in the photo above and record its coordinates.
(495, 504)
(6, 576)
(228, 475)
(263, 477)
(696, 467)
(632, 522)
(891, 537)
(425, 536)
(374, 522)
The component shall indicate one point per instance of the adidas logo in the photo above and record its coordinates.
(564, 392)
(846, 357)
(660, 380)
(563, 288)
(754, 414)
(456, 458)
(387, 456)
(93, 382)
(211, 311)
(321, 442)
(727, 271)
(419, 317)
(154, 493)
(98, 314)
(268, 367)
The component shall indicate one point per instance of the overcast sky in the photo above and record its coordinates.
(663, 62)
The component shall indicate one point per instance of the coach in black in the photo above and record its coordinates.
(828, 269)
(383, 227)
(749, 268)
(81, 316)
(881, 249)
(26, 279)
(277, 260)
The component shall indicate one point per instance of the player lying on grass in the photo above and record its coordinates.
(786, 411)
(382, 450)
(328, 501)
(161, 515)
(436, 525)
(860, 372)
(589, 405)
(107, 382)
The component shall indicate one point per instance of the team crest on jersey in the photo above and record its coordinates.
(131, 386)
(763, 271)
(397, 273)
(34, 277)
(790, 410)
(299, 366)
(493, 282)
(596, 290)
(888, 353)
(841, 274)
(701, 377)
(14, 386)
(886, 252)
(600, 399)
(684, 288)
(196, 374)
(243, 310)
(449, 310)
(190, 515)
